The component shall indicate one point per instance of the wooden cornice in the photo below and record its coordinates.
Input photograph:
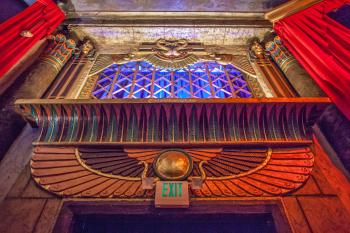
(174, 122)
(288, 9)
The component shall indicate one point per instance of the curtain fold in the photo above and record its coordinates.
(322, 46)
(41, 19)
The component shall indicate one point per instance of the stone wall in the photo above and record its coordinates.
(27, 208)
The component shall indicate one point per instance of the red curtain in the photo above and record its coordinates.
(322, 46)
(41, 18)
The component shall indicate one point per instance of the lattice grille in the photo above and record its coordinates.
(142, 80)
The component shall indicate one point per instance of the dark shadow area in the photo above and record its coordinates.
(336, 128)
(11, 123)
(9, 8)
(170, 223)
(274, 3)
(342, 15)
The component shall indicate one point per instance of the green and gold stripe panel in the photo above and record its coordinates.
(174, 121)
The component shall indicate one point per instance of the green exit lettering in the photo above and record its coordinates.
(172, 190)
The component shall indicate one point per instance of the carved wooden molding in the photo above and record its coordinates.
(289, 8)
(174, 121)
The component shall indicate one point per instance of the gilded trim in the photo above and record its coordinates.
(289, 8)
(310, 100)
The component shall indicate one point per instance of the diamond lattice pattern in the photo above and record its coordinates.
(142, 80)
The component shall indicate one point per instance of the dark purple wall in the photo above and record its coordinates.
(9, 8)
(342, 15)
(336, 129)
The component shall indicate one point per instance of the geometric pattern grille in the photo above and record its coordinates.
(140, 79)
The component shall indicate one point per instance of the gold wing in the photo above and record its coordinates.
(105, 60)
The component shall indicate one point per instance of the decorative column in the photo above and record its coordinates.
(50, 64)
(319, 43)
(270, 72)
(69, 82)
(296, 75)
(58, 51)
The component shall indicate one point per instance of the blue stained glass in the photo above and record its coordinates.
(142, 80)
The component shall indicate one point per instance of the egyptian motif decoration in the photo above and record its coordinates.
(172, 54)
(171, 49)
(116, 149)
(257, 50)
(270, 71)
(169, 61)
(121, 172)
(220, 147)
(181, 121)
(279, 53)
(88, 49)
(59, 51)
(239, 62)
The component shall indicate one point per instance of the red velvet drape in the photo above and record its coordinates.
(322, 46)
(41, 18)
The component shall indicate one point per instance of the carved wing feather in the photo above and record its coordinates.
(285, 171)
(240, 62)
(112, 173)
(76, 180)
(105, 60)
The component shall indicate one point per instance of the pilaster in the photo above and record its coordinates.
(269, 71)
(41, 75)
(304, 85)
(70, 80)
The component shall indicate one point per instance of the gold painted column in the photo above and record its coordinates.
(296, 75)
(276, 81)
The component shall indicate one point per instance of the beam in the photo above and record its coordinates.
(289, 8)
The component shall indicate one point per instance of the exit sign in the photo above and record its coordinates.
(172, 194)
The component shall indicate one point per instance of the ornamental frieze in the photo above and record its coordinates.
(172, 54)
(208, 147)
(167, 121)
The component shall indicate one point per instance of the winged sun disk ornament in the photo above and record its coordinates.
(118, 173)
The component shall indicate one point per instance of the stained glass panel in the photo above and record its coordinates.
(142, 80)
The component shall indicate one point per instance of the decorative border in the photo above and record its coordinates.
(194, 121)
